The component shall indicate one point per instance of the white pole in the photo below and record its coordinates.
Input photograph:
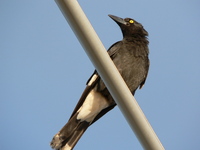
(109, 73)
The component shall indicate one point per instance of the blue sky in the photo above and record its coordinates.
(43, 70)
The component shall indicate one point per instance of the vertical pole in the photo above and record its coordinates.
(109, 73)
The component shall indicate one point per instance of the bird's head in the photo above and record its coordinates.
(130, 27)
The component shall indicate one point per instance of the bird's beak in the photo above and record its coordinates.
(118, 20)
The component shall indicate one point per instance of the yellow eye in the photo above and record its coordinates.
(131, 21)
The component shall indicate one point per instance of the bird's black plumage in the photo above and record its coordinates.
(131, 59)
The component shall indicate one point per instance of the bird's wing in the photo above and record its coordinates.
(90, 84)
(147, 68)
(114, 49)
(92, 81)
(111, 51)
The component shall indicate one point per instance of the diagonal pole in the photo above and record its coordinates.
(109, 73)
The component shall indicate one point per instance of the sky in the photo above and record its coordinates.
(43, 71)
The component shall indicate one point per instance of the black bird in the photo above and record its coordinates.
(131, 59)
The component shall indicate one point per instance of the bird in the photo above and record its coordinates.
(130, 56)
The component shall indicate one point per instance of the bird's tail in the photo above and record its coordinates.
(69, 135)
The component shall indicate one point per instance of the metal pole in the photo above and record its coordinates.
(109, 73)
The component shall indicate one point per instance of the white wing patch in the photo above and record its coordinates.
(93, 104)
(94, 77)
(66, 147)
